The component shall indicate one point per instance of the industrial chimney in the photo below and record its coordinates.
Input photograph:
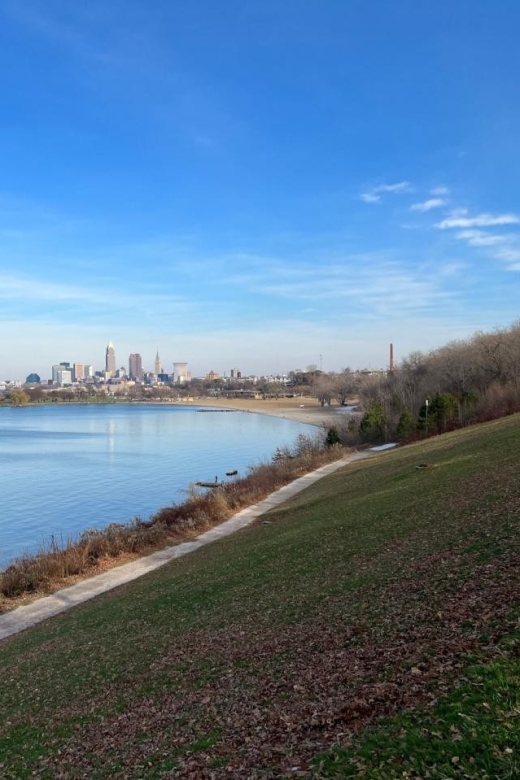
(391, 358)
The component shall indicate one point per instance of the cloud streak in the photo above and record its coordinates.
(428, 205)
(374, 195)
(378, 288)
(480, 238)
(26, 289)
(456, 220)
(503, 247)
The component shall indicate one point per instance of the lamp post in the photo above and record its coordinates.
(426, 403)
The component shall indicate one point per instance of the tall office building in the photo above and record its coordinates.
(62, 374)
(79, 372)
(180, 373)
(110, 361)
(157, 367)
(135, 367)
(57, 371)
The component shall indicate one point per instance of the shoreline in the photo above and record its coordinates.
(35, 608)
(302, 410)
(306, 409)
(101, 564)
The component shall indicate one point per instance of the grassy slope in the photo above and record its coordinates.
(382, 591)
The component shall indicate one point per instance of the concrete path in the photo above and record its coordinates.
(48, 606)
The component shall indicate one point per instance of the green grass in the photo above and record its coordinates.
(473, 733)
(371, 594)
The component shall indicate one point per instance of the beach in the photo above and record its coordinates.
(302, 409)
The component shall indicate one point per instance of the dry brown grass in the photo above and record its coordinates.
(56, 564)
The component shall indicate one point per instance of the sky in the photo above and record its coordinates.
(259, 184)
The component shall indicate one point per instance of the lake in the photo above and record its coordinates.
(67, 468)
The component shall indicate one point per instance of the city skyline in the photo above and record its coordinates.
(257, 187)
(67, 372)
(136, 369)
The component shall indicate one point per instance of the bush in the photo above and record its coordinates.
(332, 437)
(373, 425)
(405, 426)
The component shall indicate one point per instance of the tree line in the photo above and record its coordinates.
(463, 382)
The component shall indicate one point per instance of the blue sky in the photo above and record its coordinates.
(255, 183)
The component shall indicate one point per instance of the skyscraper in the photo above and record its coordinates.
(157, 368)
(79, 372)
(135, 367)
(110, 362)
(180, 373)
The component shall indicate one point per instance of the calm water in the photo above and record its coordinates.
(65, 469)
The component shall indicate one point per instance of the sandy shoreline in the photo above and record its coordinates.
(303, 410)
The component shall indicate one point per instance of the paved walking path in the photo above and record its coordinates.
(48, 606)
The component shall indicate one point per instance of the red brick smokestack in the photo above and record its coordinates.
(391, 357)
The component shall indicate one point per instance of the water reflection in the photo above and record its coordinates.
(64, 469)
(111, 437)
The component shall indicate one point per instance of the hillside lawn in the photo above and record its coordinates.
(370, 629)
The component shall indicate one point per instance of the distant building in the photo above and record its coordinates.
(88, 371)
(277, 379)
(62, 374)
(180, 373)
(79, 372)
(110, 359)
(135, 367)
(212, 376)
(33, 379)
(157, 366)
(235, 373)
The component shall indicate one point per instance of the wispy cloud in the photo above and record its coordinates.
(428, 205)
(402, 186)
(480, 238)
(28, 289)
(504, 247)
(510, 255)
(440, 191)
(373, 286)
(481, 220)
(374, 194)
